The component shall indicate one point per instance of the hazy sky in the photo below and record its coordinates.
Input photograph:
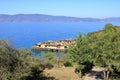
(75, 8)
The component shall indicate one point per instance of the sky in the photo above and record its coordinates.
(73, 8)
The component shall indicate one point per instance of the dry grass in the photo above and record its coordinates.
(66, 73)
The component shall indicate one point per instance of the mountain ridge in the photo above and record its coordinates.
(50, 18)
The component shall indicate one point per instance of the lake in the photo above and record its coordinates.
(26, 34)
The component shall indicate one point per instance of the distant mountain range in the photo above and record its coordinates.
(50, 18)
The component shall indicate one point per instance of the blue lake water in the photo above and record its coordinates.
(27, 34)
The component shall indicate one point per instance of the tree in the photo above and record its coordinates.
(106, 49)
(79, 53)
(49, 60)
(100, 48)
(17, 63)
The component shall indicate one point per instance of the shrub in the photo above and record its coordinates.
(48, 65)
(68, 64)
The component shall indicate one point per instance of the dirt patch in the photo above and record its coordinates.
(94, 74)
(66, 73)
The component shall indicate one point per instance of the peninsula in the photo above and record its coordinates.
(59, 45)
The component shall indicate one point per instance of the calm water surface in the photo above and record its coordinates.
(27, 34)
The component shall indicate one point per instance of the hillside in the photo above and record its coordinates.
(49, 18)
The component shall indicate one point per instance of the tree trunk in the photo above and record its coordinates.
(106, 75)
(80, 75)
(1, 75)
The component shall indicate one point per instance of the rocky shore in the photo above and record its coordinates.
(59, 45)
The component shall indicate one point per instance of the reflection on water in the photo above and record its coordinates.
(41, 54)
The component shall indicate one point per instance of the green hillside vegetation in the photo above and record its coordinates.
(97, 49)
(101, 49)
(20, 64)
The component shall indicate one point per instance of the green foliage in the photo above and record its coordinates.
(68, 64)
(100, 48)
(108, 26)
(54, 59)
(49, 60)
(49, 56)
(48, 65)
(17, 63)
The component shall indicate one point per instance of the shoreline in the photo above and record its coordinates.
(59, 45)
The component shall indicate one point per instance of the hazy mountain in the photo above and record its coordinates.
(48, 18)
(115, 19)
